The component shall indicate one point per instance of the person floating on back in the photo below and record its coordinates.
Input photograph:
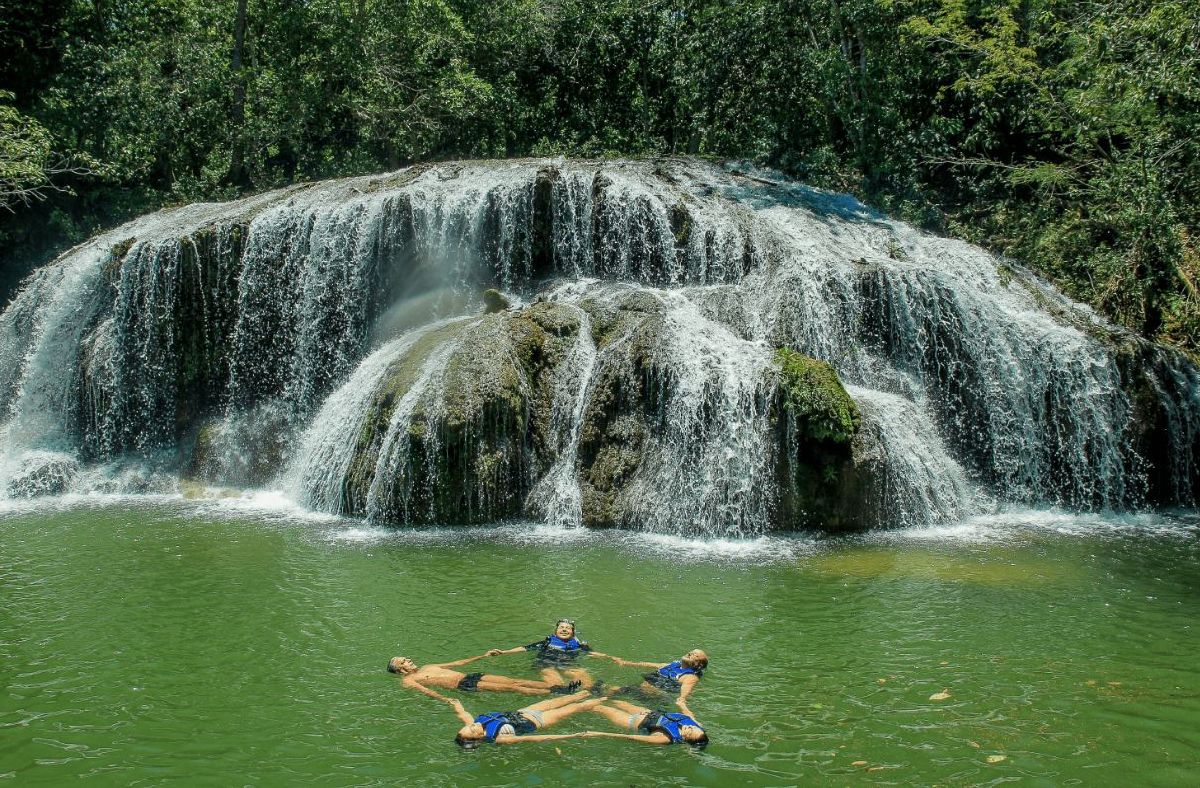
(513, 727)
(558, 650)
(440, 675)
(680, 676)
(656, 726)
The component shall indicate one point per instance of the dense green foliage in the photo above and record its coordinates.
(1057, 131)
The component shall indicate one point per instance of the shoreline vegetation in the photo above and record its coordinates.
(1060, 134)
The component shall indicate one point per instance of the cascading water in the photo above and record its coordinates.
(557, 497)
(633, 379)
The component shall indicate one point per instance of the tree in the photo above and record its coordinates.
(28, 163)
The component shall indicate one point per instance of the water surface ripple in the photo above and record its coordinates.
(240, 642)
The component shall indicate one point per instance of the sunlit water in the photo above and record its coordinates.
(239, 642)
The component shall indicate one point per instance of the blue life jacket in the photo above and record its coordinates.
(670, 723)
(677, 669)
(492, 722)
(555, 643)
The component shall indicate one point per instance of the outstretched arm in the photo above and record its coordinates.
(459, 711)
(652, 738)
(421, 688)
(686, 685)
(493, 652)
(458, 662)
(505, 739)
(628, 663)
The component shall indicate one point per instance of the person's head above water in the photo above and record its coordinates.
(564, 628)
(695, 658)
(470, 735)
(401, 665)
(693, 735)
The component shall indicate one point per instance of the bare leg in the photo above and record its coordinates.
(557, 715)
(619, 717)
(506, 686)
(554, 703)
(650, 689)
(631, 708)
(582, 676)
(552, 676)
(529, 683)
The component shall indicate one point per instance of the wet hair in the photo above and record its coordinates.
(391, 667)
(465, 743)
(700, 743)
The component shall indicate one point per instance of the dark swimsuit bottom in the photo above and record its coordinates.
(469, 682)
(650, 723)
(521, 724)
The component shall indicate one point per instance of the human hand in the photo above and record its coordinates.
(493, 652)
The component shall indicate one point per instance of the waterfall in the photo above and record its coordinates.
(315, 475)
(557, 497)
(327, 339)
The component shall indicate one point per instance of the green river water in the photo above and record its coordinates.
(242, 643)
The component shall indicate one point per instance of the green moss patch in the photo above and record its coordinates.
(816, 399)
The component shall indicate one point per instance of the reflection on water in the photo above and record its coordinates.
(236, 640)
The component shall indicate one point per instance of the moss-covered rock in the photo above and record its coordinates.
(1156, 439)
(202, 453)
(821, 484)
(43, 473)
(815, 398)
(681, 224)
(615, 317)
(155, 362)
(495, 301)
(478, 395)
(622, 412)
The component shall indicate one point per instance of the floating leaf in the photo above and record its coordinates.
(974, 744)
(881, 681)
(943, 695)
(859, 763)
(996, 758)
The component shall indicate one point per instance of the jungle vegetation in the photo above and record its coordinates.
(1062, 133)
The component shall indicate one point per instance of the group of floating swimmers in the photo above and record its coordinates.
(578, 691)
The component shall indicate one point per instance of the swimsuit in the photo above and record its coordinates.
(470, 682)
